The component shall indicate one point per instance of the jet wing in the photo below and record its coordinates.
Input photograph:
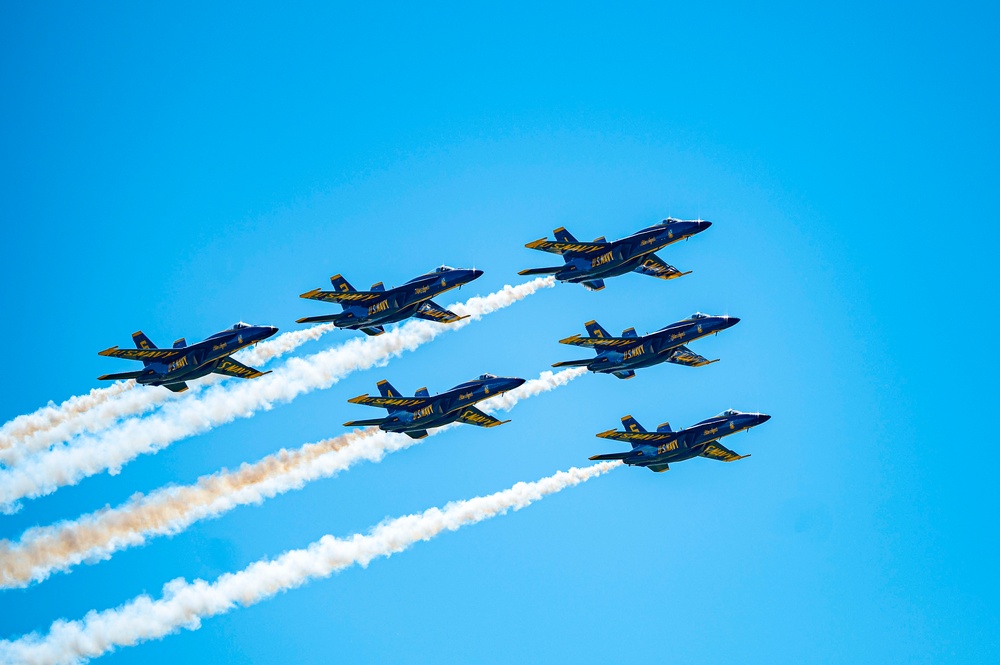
(715, 450)
(473, 416)
(230, 367)
(343, 296)
(601, 342)
(654, 266)
(387, 402)
(685, 356)
(143, 354)
(569, 247)
(645, 437)
(431, 311)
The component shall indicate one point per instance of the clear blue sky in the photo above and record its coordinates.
(177, 169)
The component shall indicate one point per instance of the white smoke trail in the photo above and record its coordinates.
(68, 464)
(94, 537)
(184, 604)
(102, 407)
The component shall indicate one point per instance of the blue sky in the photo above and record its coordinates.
(179, 169)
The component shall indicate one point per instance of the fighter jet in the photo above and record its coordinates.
(590, 263)
(172, 367)
(655, 450)
(369, 311)
(414, 415)
(623, 355)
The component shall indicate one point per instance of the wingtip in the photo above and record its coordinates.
(309, 294)
(535, 243)
(604, 434)
(357, 400)
(108, 351)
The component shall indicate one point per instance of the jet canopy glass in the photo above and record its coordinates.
(699, 315)
(483, 377)
(239, 325)
(443, 269)
(730, 412)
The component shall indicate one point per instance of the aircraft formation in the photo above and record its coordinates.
(585, 263)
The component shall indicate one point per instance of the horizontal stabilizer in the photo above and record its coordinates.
(176, 387)
(608, 456)
(593, 285)
(373, 422)
(373, 331)
(628, 374)
(658, 468)
(573, 363)
(541, 271)
(319, 319)
(121, 376)
(418, 434)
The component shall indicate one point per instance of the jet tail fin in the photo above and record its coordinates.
(341, 284)
(377, 287)
(143, 342)
(595, 329)
(386, 390)
(562, 235)
(180, 344)
(632, 425)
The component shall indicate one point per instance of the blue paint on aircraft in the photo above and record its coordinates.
(172, 367)
(413, 416)
(656, 450)
(369, 311)
(590, 263)
(623, 355)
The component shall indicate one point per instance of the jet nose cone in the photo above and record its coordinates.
(763, 417)
(269, 330)
(476, 274)
(731, 320)
(513, 382)
(700, 225)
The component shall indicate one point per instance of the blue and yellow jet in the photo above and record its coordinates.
(172, 367)
(590, 263)
(414, 415)
(655, 450)
(623, 355)
(369, 311)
